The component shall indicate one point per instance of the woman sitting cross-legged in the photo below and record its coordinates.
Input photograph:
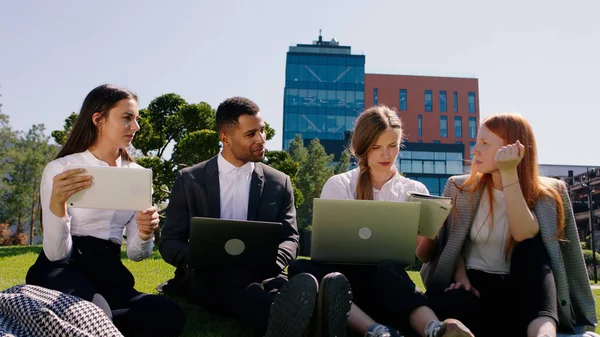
(82, 247)
(507, 262)
(385, 298)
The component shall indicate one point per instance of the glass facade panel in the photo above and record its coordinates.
(458, 127)
(428, 101)
(375, 98)
(455, 101)
(403, 100)
(472, 127)
(422, 155)
(443, 105)
(428, 167)
(443, 126)
(471, 102)
(432, 184)
(440, 167)
(454, 167)
(406, 166)
(417, 166)
(454, 156)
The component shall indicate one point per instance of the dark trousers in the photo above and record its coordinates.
(94, 268)
(507, 303)
(236, 292)
(385, 292)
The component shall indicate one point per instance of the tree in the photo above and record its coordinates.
(26, 161)
(196, 147)
(297, 150)
(314, 171)
(282, 161)
(344, 163)
(60, 136)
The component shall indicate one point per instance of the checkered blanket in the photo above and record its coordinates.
(31, 311)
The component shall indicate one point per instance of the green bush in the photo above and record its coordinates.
(587, 256)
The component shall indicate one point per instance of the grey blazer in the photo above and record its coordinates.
(196, 193)
(576, 307)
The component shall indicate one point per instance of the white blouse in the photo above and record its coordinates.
(98, 223)
(343, 186)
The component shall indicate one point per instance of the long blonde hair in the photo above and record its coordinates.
(369, 126)
(513, 127)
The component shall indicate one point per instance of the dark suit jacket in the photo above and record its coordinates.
(195, 193)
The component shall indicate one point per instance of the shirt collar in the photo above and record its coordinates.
(91, 159)
(225, 167)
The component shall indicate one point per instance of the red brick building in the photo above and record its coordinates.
(441, 110)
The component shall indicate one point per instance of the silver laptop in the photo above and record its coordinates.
(364, 231)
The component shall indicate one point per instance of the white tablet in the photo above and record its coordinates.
(118, 188)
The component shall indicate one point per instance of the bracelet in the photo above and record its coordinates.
(516, 182)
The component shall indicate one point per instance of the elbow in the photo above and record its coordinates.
(520, 237)
(424, 253)
(55, 253)
(424, 256)
(426, 248)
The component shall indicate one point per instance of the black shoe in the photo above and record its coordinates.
(293, 307)
(333, 306)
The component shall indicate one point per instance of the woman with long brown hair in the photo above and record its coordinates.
(507, 261)
(385, 292)
(82, 247)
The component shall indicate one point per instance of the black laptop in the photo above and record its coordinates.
(216, 244)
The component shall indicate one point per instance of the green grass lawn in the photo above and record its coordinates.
(15, 261)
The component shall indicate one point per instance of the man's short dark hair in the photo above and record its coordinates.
(229, 112)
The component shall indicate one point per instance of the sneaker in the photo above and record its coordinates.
(448, 328)
(333, 306)
(292, 308)
(378, 330)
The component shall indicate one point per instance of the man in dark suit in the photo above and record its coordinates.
(236, 185)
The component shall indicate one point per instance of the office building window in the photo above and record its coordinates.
(443, 101)
(420, 126)
(472, 127)
(443, 126)
(375, 98)
(471, 102)
(403, 100)
(428, 101)
(455, 101)
(436, 142)
(458, 142)
(457, 127)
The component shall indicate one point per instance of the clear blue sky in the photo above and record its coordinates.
(539, 58)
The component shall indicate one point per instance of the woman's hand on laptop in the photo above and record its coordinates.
(147, 222)
(64, 185)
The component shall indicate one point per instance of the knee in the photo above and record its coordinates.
(298, 266)
(387, 268)
(101, 302)
(169, 311)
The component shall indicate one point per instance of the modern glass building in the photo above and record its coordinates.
(431, 164)
(324, 92)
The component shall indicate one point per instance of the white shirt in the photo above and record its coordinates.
(98, 223)
(486, 251)
(343, 186)
(234, 189)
